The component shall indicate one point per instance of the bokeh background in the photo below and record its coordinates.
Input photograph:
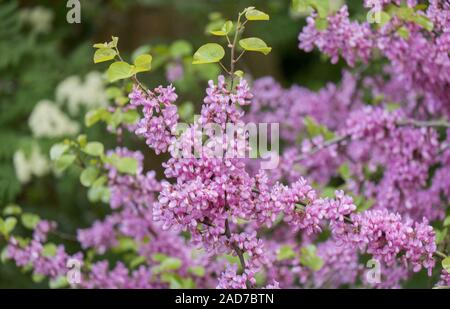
(46, 67)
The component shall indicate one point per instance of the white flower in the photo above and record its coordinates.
(39, 18)
(36, 164)
(90, 94)
(47, 120)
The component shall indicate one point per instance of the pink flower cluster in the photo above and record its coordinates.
(385, 236)
(342, 37)
(160, 116)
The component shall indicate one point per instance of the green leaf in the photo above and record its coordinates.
(64, 162)
(4, 257)
(312, 127)
(99, 193)
(94, 116)
(255, 44)
(285, 253)
(322, 7)
(125, 165)
(446, 264)
(95, 149)
(30, 221)
(447, 221)
(224, 30)
(300, 6)
(37, 278)
(180, 49)
(119, 70)
(392, 107)
(172, 279)
(198, 271)
(104, 54)
(88, 176)
(423, 21)
(403, 32)
(58, 150)
(82, 140)
(169, 264)
(239, 73)
(186, 111)
(7, 225)
(310, 259)
(384, 18)
(138, 260)
(159, 257)
(112, 44)
(143, 63)
(58, 283)
(12, 210)
(209, 53)
(344, 171)
(49, 250)
(254, 14)
(441, 235)
(131, 116)
(365, 204)
(126, 244)
(113, 92)
(321, 24)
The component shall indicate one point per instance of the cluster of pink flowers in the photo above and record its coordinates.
(385, 236)
(232, 220)
(51, 265)
(342, 37)
(160, 116)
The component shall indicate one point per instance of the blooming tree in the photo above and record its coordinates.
(363, 171)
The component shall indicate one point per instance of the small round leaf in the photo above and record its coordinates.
(255, 44)
(209, 53)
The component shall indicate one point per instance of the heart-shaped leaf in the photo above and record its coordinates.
(209, 53)
(119, 70)
(104, 54)
(255, 14)
(255, 44)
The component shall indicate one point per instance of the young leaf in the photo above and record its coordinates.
(447, 221)
(119, 70)
(254, 14)
(321, 24)
(255, 44)
(64, 162)
(58, 283)
(12, 210)
(49, 250)
(30, 220)
(239, 73)
(310, 259)
(209, 53)
(125, 165)
(7, 225)
(446, 264)
(285, 253)
(180, 49)
(58, 150)
(198, 271)
(94, 149)
(143, 63)
(88, 176)
(344, 171)
(226, 28)
(104, 54)
(114, 42)
(403, 32)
